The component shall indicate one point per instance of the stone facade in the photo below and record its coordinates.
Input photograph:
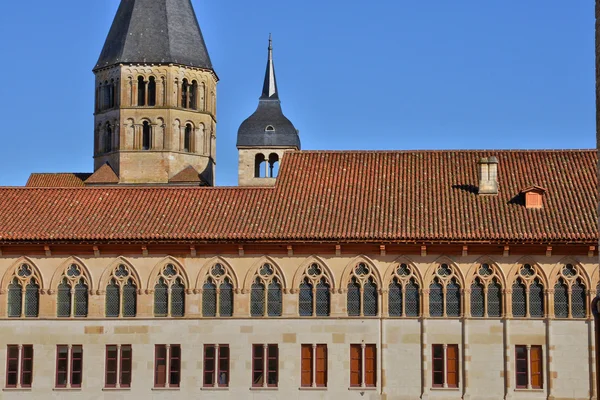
(252, 174)
(121, 114)
(486, 345)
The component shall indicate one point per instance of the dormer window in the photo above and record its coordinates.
(534, 197)
(270, 128)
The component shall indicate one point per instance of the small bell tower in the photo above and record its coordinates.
(265, 136)
(155, 112)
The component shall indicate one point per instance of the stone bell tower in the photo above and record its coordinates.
(265, 136)
(155, 97)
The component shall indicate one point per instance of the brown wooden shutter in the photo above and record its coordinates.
(321, 365)
(160, 366)
(536, 367)
(307, 363)
(452, 365)
(355, 364)
(370, 365)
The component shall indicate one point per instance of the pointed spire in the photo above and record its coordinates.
(270, 86)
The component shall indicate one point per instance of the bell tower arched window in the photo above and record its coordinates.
(217, 293)
(362, 296)
(141, 91)
(273, 165)
(403, 295)
(152, 91)
(169, 293)
(185, 93)
(146, 136)
(24, 293)
(187, 138)
(259, 166)
(266, 294)
(314, 296)
(194, 96)
(444, 293)
(72, 294)
(121, 294)
(528, 293)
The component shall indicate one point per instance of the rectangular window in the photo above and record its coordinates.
(363, 365)
(118, 366)
(19, 366)
(69, 366)
(314, 365)
(445, 365)
(528, 360)
(167, 365)
(265, 361)
(216, 365)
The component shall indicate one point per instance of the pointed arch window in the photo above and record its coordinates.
(486, 292)
(528, 293)
(403, 295)
(187, 138)
(266, 297)
(217, 293)
(445, 293)
(73, 293)
(362, 296)
(24, 293)
(169, 293)
(121, 293)
(146, 136)
(315, 292)
(152, 91)
(570, 293)
(141, 91)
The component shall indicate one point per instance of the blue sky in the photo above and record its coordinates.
(385, 74)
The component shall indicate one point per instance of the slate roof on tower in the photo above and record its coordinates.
(155, 32)
(268, 127)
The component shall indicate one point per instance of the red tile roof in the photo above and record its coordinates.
(103, 176)
(329, 196)
(57, 180)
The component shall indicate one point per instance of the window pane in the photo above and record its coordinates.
(14, 299)
(226, 299)
(177, 299)
(453, 299)
(129, 299)
(305, 300)
(63, 300)
(413, 301)
(518, 299)
(438, 365)
(223, 366)
(62, 366)
(477, 301)
(395, 299)
(81, 299)
(32, 299)
(370, 299)
(521, 366)
(257, 365)
(272, 365)
(12, 366)
(113, 299)
(561, 300)
(353, 299)
(209, 300)
(257, 299)
(536, 299)
(494, 293)
(436, 300)
(76, 366)
(323, 299)
(175, 365)
(27, 366)
(126, 360)
(578, 300)
(209, 365)
(274, 299)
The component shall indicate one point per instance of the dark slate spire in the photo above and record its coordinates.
(268, 127)
(155, 32)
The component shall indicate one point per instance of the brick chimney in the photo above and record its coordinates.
(487, 169)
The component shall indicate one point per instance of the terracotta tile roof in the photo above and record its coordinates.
(103, 176)
(57, 180)
(332, 196)
(188, 175)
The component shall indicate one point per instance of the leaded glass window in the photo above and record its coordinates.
(477, 299)
(121, 293)
(313, 295)
(519, 301)
(445, 298)
(403, 292)
(23, 293)
(486, 292)
(536, 299)
(531, 303)
(561, 299)
(169, 292)
(217, 292)
(73, 293)
(266, 297)
(366, 305)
